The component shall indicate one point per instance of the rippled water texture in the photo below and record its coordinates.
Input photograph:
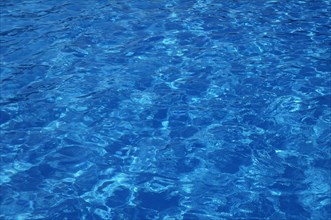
(172, 110)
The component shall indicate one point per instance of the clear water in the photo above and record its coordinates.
(172, 110)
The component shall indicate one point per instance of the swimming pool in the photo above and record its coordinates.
(173, 110)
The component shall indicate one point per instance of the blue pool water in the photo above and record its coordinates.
(171, 110)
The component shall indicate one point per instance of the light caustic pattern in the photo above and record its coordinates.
(174, 110)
